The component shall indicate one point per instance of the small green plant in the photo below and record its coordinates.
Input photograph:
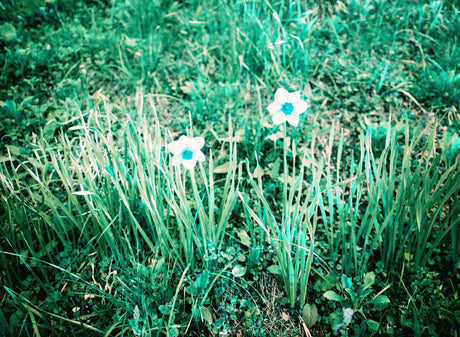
(357, 296)
(20, 124)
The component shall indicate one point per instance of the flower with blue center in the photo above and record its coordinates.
(187, 151)
(287, 107)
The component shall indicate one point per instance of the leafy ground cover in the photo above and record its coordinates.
(346, 223)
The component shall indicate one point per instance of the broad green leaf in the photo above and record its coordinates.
(274, 269)
(8, 32)
(369, 279)
(382, 299)
(10, 106)
(310, 314)
(347, 282)
(206, 315)
(238, 270)
(16, 318)
(333, 296)
(244, 237)
(373, 325)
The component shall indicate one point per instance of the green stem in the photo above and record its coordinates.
(285, 178)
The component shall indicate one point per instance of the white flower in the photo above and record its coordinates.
(287, 107)
(347, 315)
(187, 151)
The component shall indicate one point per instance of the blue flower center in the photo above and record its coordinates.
(187, 154)
(287, 108)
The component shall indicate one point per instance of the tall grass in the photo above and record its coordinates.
(108, 186)
(398, 207)
(92, 206)
(291, 229)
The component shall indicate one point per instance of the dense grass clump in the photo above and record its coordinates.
(146, 189)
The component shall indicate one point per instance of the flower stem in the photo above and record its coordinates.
(285, 178)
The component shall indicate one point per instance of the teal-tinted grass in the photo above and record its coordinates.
(92, 93)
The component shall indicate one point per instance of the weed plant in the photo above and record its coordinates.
(344, 222)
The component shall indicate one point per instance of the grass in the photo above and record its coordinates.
(281, 230)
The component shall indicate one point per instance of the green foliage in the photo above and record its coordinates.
(359, 295)
(393, 205)
(292, 232)
(427, 289)
(101, 235)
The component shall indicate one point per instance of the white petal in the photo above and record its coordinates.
(281, 95)
(178, 145)
(279, 118)
(274, 108)
(294, 97)
(189, 164)
(199, 156)
(293, 119)
(196, 143)
(175, 147)
(177, 159)
(184, 140)
(300, 107)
